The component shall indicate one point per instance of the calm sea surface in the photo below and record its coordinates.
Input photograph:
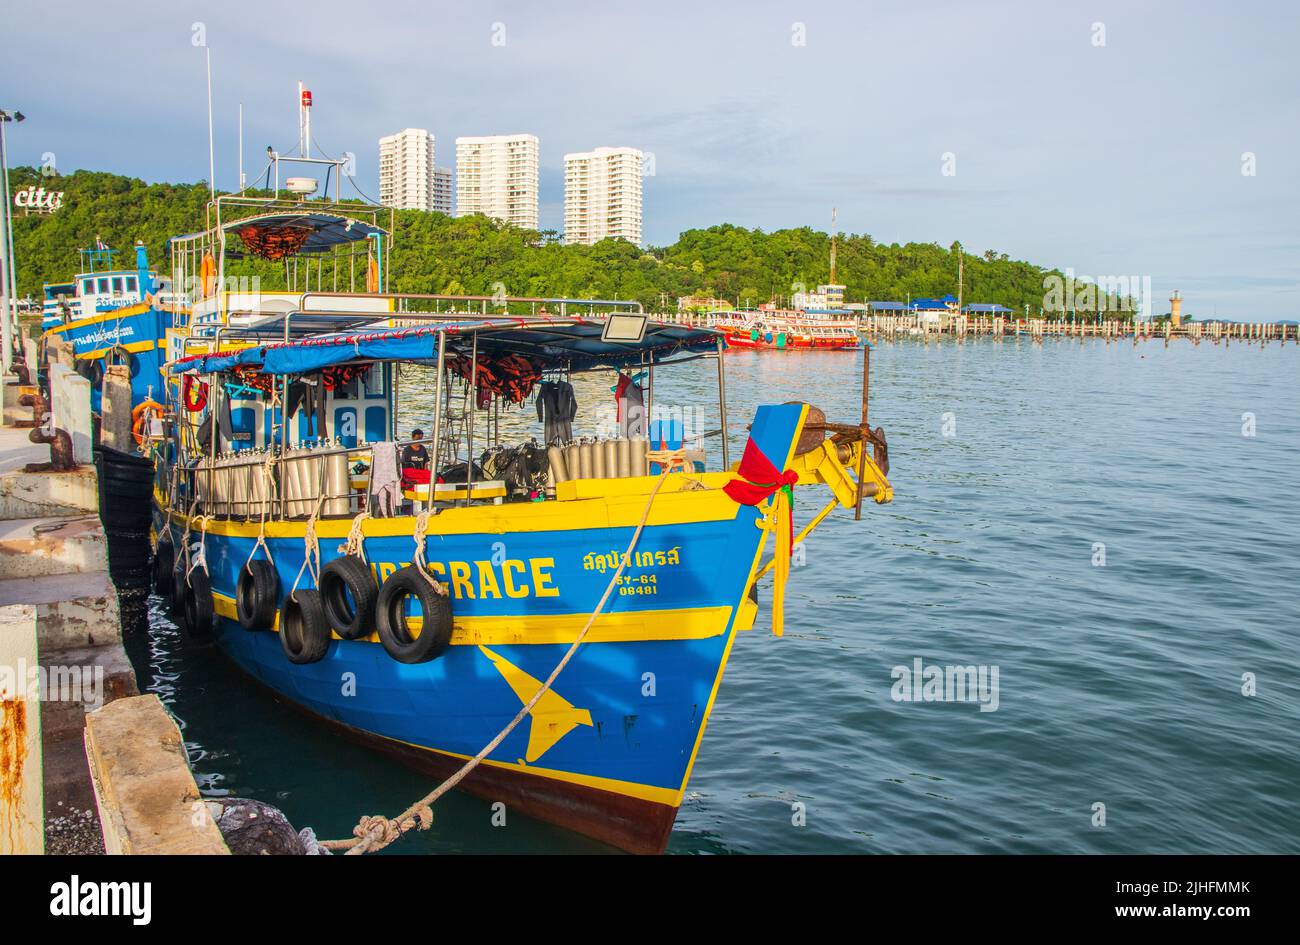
(1013, 464)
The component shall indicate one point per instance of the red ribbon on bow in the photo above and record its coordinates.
(764, 480)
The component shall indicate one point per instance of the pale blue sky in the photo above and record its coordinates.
(1122, 159)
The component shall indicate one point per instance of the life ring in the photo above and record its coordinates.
(208, 274)
(304, 634)
(348, 594)
(434, 635)
(140, 418)
(255, 594)
(194, 393)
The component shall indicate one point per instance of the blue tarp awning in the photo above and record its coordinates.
(986, 307)
(887, 306)
(550, 342)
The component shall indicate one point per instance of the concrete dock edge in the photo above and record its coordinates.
(148, 800)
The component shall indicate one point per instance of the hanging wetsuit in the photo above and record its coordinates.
(311, 397)
(631, 408)
(556, 408)
(224, 426)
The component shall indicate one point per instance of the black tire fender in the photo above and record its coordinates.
(164, 564)
(390, 618)
(118, 354)
(255, 594)
(198, 611)
(348, 594)
(304, 632)
(178, 587)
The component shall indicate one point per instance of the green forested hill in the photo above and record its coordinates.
(436, 253)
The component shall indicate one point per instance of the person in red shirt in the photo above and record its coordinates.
(415, 461)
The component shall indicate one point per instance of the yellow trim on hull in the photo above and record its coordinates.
(741, 613)
(676, 505)
(118, 313)
(687, 623)
(133, 347)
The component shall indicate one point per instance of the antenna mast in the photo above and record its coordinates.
(833, 235)
(304, 121)
(212, 163)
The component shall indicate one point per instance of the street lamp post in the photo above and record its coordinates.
(8, 284)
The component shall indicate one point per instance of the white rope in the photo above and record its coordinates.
(421, 565)
(356, 542)
(201, 559)
(311, 549)
(268, 467)
(376, 832)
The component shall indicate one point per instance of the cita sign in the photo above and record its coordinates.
(38, 199)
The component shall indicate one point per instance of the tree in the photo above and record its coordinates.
(432, 252)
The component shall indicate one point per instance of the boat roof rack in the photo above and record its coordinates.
(550, 341)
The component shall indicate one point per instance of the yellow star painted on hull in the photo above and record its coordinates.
(552, 718)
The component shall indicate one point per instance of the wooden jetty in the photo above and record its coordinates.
(893, 326)
(998, 326)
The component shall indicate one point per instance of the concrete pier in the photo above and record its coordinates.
(87, 765)
(147, 800)
(61, 652)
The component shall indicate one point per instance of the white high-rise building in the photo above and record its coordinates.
(602, 195)
(444, 190)
(497, 175)
(406, 173)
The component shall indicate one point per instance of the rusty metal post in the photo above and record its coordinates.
(862, 460)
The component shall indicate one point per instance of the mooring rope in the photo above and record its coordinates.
(268, 468)
(260, 543)
(376, 832)
(185, 538)
(356, 542)
(311, 550)
(201, 560)
(421, 565)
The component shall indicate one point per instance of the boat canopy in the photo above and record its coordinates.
(310, 230)
(275, 235)
(550, 342)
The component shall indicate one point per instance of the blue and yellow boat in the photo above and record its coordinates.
(423, 617)
(111, 315)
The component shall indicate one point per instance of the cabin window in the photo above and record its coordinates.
(130, 284)
(117, 285)
(345, 426)
(376, 424)
(89, 286)
(373, 381)
(103, 285)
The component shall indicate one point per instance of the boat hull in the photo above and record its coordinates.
(792, 343)
(140, 329)
(608, 750)
(614, 817)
